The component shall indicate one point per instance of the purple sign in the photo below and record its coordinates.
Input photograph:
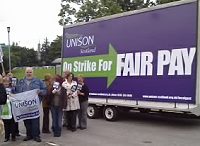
(149, 56)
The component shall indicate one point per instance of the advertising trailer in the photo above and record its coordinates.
(146, 60)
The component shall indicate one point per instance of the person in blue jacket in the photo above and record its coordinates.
(26, 84)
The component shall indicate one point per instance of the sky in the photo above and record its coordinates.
(30, 21)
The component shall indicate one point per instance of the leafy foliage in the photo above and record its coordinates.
(20, 56)
(165, 1)
(91, 9)
(51, 51)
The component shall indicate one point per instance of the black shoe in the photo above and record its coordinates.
(46, 132)
(69, 128)
(37, 139)
(6, 140)
(82, 128)
(64, 125)
(56, 135)
(13, 139)
(27, 138)
(73, 129)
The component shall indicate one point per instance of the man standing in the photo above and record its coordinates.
(26, 84)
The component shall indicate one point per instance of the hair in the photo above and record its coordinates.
(29, 68)
(6, 79)
(58, 78)
(81, 76)
(66, 72)
(9, 74)
(70, 73)
(47, 77)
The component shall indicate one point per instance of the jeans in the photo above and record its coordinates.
(82, 114)
(32, 127)
(45, 126)
(56, 113)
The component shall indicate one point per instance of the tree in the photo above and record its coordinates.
(50, 51)
(165, 1)
(55, 49)
(20, 56)
(91, 9)
(32, 61)
(44, 52)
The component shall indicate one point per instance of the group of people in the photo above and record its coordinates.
(65, 97)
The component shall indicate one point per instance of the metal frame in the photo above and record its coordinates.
(62, 52)
(198, 59)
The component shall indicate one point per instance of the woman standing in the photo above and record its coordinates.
(3, 99)
(13, 83)
(9, 123)
(72, 101)
(57, 105)
(46, 103)
(83, 93)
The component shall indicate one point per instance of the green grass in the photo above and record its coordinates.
(38, 73)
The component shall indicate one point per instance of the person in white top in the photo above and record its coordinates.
(72, 101)
(65, 73)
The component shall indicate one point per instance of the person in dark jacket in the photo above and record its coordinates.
(58, 102)
(83, 93)
(48, 79)
(3, 95)
(9, 124)
(13, 83)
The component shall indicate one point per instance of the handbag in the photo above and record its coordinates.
(6, 110)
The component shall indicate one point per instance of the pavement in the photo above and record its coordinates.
(133, 129)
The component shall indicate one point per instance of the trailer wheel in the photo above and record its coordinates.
(110, 113)
(92, 111)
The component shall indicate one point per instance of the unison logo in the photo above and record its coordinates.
(26, 103)
(80, 41)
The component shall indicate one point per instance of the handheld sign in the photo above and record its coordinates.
(8, 91)
(14, 81)
(74, 88)
(79, 87)
(56, 85)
